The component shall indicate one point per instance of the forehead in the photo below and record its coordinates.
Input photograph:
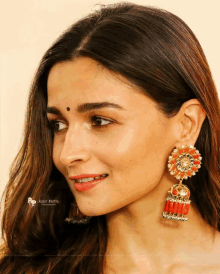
(85, 80)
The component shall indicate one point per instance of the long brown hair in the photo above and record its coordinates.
(158, 54)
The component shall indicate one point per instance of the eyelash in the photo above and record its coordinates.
(52, 123)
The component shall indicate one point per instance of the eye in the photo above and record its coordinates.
(54, 124)
(97, 118)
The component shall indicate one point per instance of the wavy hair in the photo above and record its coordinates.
(158, 54)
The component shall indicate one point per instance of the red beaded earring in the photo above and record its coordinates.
(183, 163)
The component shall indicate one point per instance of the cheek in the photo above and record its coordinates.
(138, 153)
(135, 144)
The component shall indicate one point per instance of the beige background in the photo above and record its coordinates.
(29, 27)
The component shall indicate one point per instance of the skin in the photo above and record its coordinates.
(133, 151)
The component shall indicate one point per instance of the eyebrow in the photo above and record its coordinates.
(87, 107)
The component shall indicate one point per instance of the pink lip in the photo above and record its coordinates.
(87, 185)
(84, 176)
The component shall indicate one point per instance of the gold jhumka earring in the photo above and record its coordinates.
(183, 163)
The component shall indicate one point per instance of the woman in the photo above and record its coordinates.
(126, 94)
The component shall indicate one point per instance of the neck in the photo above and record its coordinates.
(139, 233)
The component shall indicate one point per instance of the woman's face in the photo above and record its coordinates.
(131, 145)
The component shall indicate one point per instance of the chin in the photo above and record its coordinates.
(92, 211)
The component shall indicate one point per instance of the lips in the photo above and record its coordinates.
(87, 185)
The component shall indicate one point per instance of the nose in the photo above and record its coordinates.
(74, 147)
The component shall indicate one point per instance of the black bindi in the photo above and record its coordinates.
(68, 109)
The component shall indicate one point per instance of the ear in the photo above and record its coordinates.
(191, 117)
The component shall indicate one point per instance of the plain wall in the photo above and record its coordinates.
(29, 27)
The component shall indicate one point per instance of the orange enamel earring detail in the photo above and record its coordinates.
(184, 162)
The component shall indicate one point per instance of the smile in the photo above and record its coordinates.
(83, 186)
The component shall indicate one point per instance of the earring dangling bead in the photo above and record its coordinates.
(74, 219)
(183, 163)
